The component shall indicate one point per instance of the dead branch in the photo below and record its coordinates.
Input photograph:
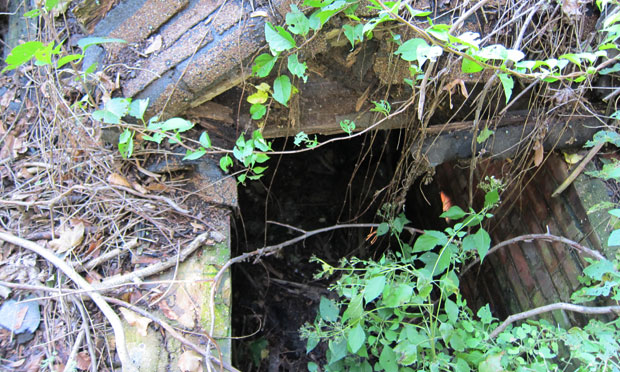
(557, 306)
(117, 326)
(169, 201)
(76, 346)
(547, 237)
(577, 170)
(137, 275)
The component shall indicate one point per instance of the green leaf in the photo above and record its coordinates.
(125, 143)
(483, 242)
(383, 228)
(257, 111)
(470, 67)
(67, 59)
(296, 68)
(338, 349)
(354, 33)
(398, 296)
(491, 198)
(452, 310)
(356, 338)
(313, 340)
(177, 124)
(138, 107)
(454, 213)
(21, 54)
(374, 288)
(387, 360)
(328, 310)
(429, 240)
(469, 243)
(508, 83)
(278, 38)
(259, 97)
(484, 313)
(597, 269)
(118, 106)
(263, 64)
(297, 21)
(106, 117)
(409, 49)
(205, 140)
(193, 155)
(157, 137)
(493, 363)
(313, 367)
(406, 352)
(282, 89)
(259, 170)
(496, 51)
(86, 42)
(614, 238)
(484, 135)
(347, 126)
(225, 162)
(32, 13)
(355, 309)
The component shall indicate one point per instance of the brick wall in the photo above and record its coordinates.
(522, 276)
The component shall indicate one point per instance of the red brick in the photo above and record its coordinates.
(545, 284)
(522, 268)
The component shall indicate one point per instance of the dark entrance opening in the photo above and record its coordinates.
(343, 182)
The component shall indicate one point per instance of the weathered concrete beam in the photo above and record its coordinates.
(453, 141)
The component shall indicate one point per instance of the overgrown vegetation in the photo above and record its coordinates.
(403, 312)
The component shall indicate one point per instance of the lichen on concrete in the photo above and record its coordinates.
(593, 191)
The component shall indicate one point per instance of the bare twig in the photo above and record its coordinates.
(456, 25)
(169, 201)
(547, 237)
(117, 326)
(70, 366)
(155, 268)
(577, 170)
(557, 306)
(89, 342)
(47, 203)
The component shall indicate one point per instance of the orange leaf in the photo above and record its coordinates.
(118, 180)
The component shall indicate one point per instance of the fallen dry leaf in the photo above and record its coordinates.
(68, 239)
(139, 188)
(34, 365)
(158, 187)
(572, 8)
(118, 180)
(19, 318)
(141, 323)
(83, 360)
(155, 45)
(7, 97)
(539, 153)
(168, 312)
(190, 361)
(197, 227)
